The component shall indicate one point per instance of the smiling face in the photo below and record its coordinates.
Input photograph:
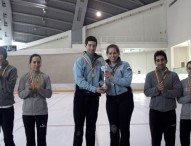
(35, 63)
(113, 55)
(91, 48)
(160, 62)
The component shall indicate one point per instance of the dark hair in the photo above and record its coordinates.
(90, 38)
(160, 53)
(113, 46)
(34, 55)
(188, 63)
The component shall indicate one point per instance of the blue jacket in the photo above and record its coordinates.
(83, 73)
(121, 80)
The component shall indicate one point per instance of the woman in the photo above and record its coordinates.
(185, 117)
(34, 88)
(119, 104)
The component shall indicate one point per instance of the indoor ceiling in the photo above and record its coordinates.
(37, 19)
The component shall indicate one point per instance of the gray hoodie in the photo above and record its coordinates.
(185, 100)
(35, 104)
(165, 101)
(7, 84)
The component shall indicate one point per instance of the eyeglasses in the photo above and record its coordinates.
(188, 68)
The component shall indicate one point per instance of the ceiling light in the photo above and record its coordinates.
(98, 14)
(44, 10)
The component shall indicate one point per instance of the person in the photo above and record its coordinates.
(34, 88)
(8, 77)
(87, 75)
(163, 86)
(119, 103)
(185, 117)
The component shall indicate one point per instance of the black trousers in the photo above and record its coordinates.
(162, 122)
(7, 122)
(185, 129)
(119, 110)
(41, 124)
(85, 107)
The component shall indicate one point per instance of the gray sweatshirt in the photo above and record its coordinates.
(165, 101)
(35, 104)
(7, 84)
(185, 100)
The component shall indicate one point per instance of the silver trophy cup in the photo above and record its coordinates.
(104, 69)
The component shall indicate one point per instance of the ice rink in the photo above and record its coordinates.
(61, 124)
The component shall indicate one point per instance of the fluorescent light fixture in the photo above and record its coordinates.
(133, 50)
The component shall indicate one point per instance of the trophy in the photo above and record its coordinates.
(104, 69)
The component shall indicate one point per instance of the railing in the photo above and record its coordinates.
(126, 39)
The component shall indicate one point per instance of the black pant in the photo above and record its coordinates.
(85, 107)
(119, 110)
(185, 129)
(162, 122)
(7, 122)
(41, 124)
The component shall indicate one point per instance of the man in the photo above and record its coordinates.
(87, 74)
(8, 77)
(163, 86)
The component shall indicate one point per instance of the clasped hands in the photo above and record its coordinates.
(161, 87)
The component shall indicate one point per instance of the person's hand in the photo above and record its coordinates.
(100, 90)
(160, 86)
(29, 85)
(37, 86)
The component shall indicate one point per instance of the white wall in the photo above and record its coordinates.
(58, 66)
(62, 40)
(143, 62)
(59, 43)
(141, 25)
(180, 55)
(178, 21)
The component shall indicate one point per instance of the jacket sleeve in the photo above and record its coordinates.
(149, 90)
(23, 91)
(8, 82)
(47, 91)
(80, 79)
(176, 90)
(126, 78)
(185, 98)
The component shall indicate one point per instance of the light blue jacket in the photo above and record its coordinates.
(83, 73)
(121, 80)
